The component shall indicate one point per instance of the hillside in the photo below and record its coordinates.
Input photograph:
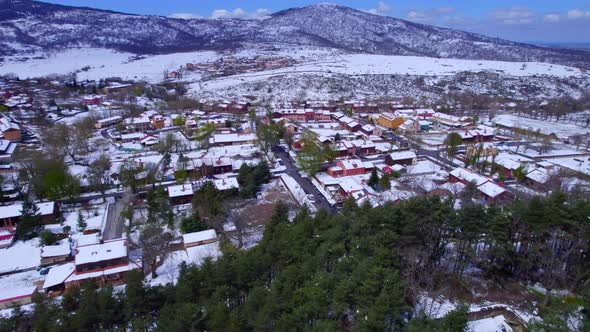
(32, 26)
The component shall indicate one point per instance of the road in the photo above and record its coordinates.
(114, 221)
(305, 183)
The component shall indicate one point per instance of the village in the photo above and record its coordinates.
(201, 173)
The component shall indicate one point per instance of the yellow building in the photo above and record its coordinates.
(389, 120)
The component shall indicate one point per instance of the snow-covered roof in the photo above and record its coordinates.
(9, 294)
(101, 252)
(349, 185)
(15, 210)
(226, 184)
(538, 175)
(62, 248)
(232, 138)
(199, 236)
(468, 176)
(58, 274)
(492, 324)
(180, 190)
(403, 155)
(491, 189)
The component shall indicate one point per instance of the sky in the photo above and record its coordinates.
(554, 21)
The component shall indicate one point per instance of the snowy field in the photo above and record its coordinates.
(562, 130)
(105, 63)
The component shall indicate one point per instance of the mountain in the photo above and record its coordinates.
(28, 26)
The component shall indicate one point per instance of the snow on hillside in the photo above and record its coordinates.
(103, 63)
(561, 130)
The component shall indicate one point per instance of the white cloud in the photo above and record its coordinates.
(552, 18)
(184, 16)
(514, 15)
(240, 13)
(381, 9)
(575, 14)
(429, 15)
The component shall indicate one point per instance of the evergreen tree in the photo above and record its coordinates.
(29, 223)
(374, 179)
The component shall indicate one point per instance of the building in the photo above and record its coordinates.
(406, 157)
(389, 120)
(159, 122)
(452, 121)
(348, 167)
(10, 214)
(139, 124)
(181, 194)
(56, 253)
(10, 297)
(105, 263)
(107, 122)
(482, 150)
(199, 238)
(10, 130)
(488, 189)
(232, 139)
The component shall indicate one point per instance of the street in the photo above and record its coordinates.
(114, 221)
(305, 183)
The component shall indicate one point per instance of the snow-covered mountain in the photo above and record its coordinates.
(28, 26)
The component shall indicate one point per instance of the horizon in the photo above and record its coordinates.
(528, 21)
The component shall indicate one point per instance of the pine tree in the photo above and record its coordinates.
(81, 223)
(374, 179)
(30, 221)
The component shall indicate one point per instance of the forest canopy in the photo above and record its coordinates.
(362, 269)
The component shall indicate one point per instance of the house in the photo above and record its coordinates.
(181, 194)
(56, 253)
(226, 184)
(107, 122)
(10, 214)
(488, 189)
(92, 100)
(199, 238)
(10, 296)
(7, 236)
(7, 149)
(389, 120)
(10, 130)
(406, 157)
(482, 150)
(159, 122)
(451, 120)
(541, 178)
(348, 167)
(105, 262)
(149, 140)
(409, 126)
(232, 139)
(139, 124)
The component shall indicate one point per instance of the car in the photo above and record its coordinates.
(44, 271)
(311, 198)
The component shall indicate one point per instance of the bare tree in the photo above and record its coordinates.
(155, 246)
(99, 175)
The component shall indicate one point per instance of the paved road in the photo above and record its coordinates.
(305, 183)
(115, 222)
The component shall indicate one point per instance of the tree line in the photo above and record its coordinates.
(362, 269)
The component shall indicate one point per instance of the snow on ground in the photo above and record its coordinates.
(562, 130)
(21, 255)
(168, 272)
(104, 63)
(493, 324)
(370, 64)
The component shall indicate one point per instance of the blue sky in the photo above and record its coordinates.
(541, 20)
